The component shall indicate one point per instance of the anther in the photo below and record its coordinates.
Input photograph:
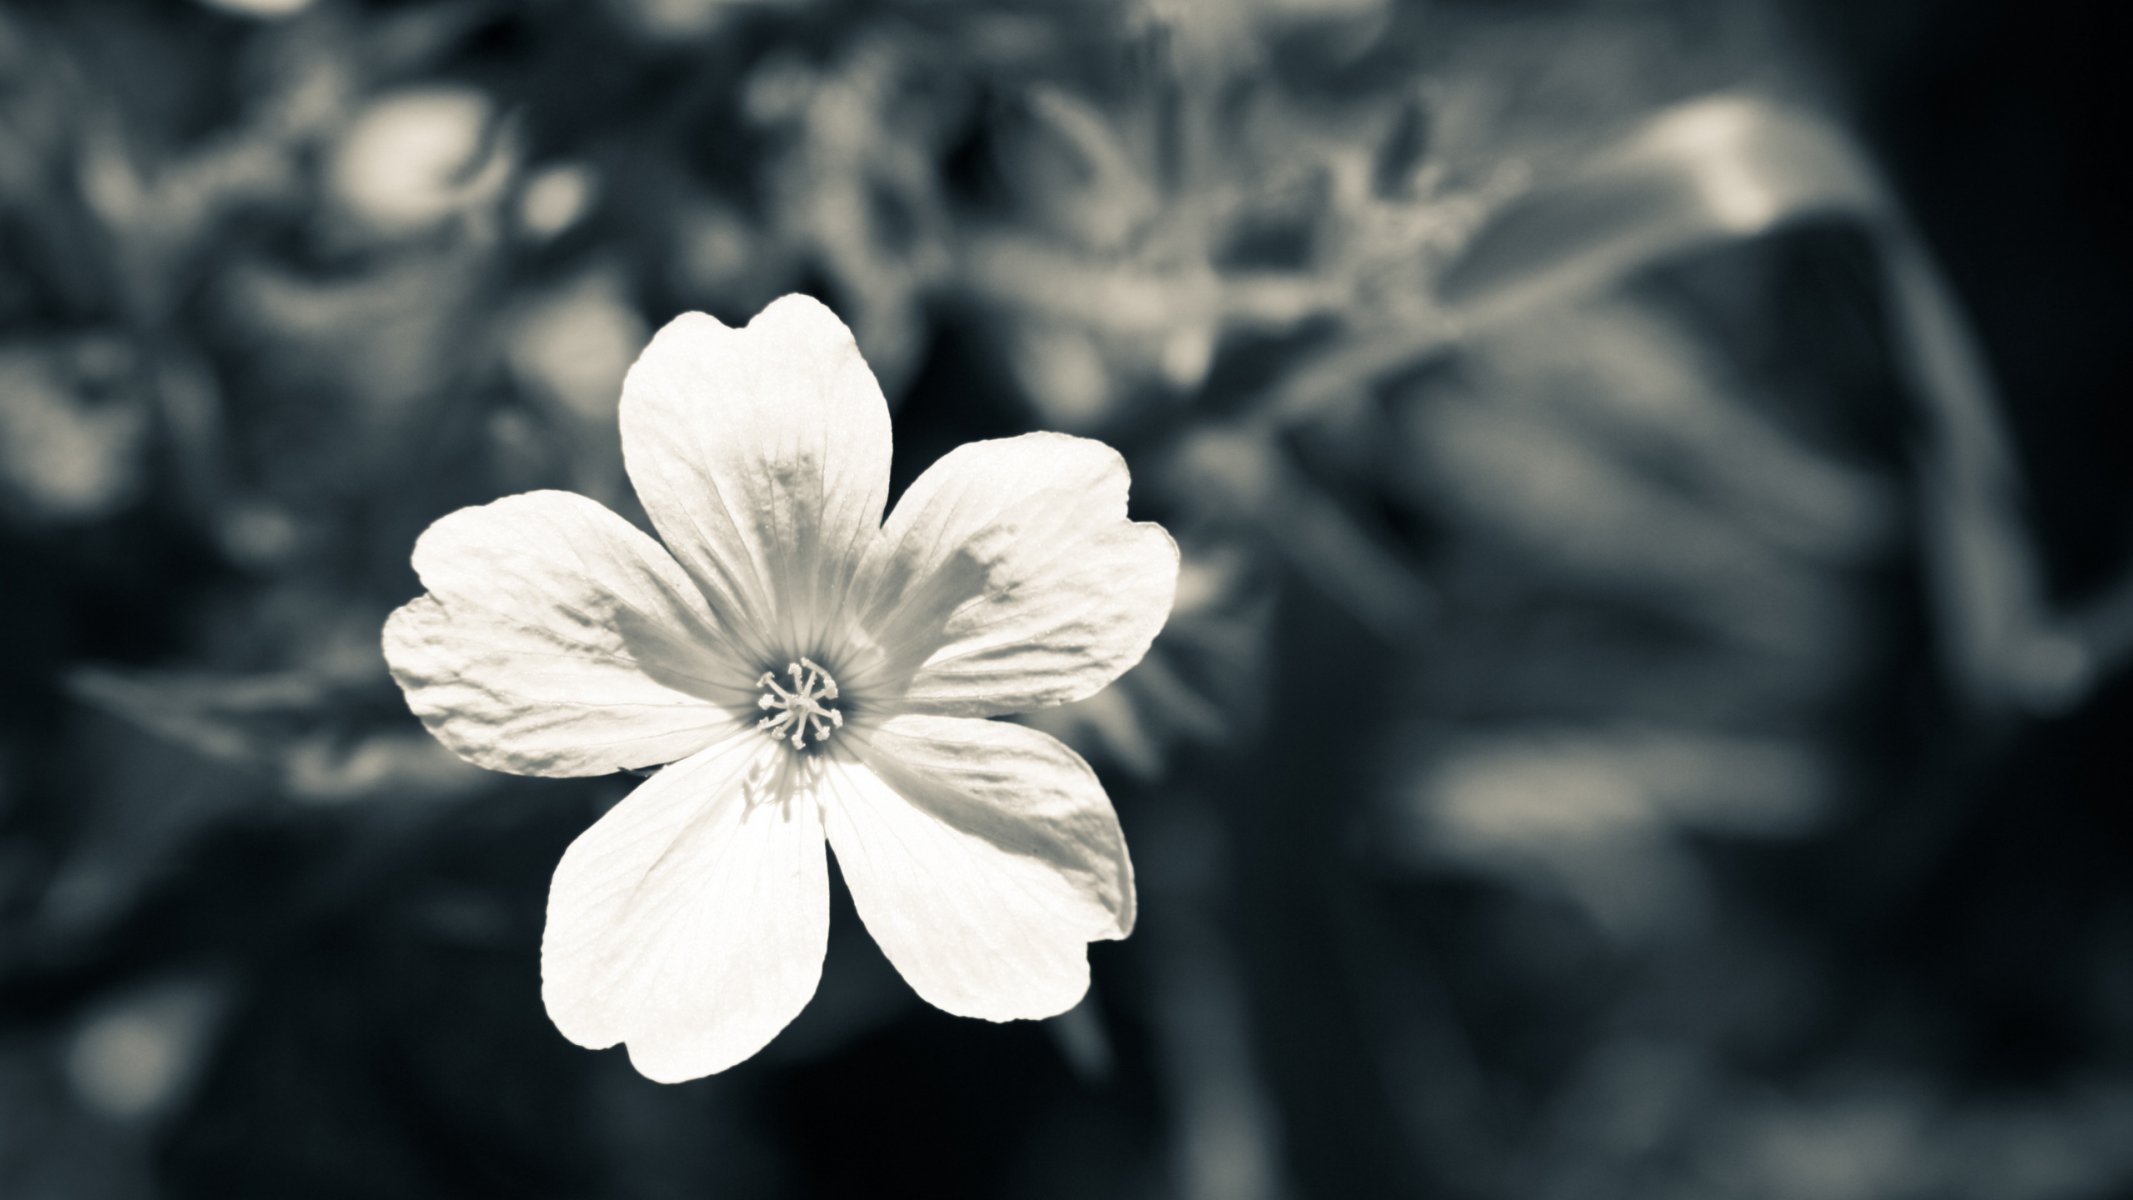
(807, 707)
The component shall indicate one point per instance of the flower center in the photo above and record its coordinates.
(808, 707)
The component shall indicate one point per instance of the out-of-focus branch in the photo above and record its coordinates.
(1735, 167)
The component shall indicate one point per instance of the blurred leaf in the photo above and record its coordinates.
(1733, 167)
(1605, 816)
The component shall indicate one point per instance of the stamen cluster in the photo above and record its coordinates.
(808, 707)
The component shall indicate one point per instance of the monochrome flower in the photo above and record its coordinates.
(806, 672)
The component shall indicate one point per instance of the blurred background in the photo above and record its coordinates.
(1645, 716)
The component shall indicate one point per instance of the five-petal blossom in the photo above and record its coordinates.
(804, 672)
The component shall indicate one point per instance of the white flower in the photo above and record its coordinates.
(809, 672)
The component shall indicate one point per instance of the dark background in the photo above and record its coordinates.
(1578, 766)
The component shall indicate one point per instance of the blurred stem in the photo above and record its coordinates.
(1426, 1068)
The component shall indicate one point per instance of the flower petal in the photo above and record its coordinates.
(1009, 578)
(983, 857)
(557, 639)
(762, 457)
(691, 920)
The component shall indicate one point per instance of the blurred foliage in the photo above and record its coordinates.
(1596, 751)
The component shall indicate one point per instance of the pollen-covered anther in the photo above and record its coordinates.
(808, 707)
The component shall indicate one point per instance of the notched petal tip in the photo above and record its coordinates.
(1057, 995)
(1010, 578)
(795, 313)
(984, 857)
(1158, 564)
(557, 639)
(761, 455)
(411, 658)
(690, 922)
(419, 654)
(661, 1065)
(799, 310)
